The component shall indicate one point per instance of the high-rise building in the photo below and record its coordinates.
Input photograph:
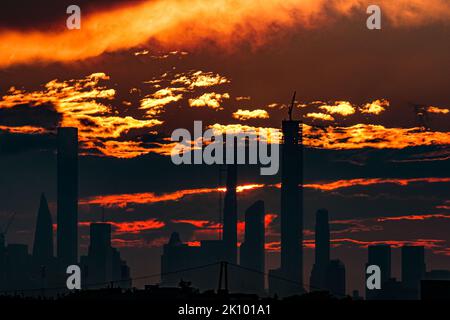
(252, 249)
(43, 236)
(379, 255)
(230, 216)
(413, 267)
(179, 256)
(103, 265)
(291, 213)
(322, 251)
(18, 263)
(67, 216)
(100, 268)
(2, 261)
(335, 280)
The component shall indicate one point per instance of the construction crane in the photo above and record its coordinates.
(291, 107)
(421, 111)
(5, 228)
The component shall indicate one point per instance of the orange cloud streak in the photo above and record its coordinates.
(138, 226)
(77, 101)
(123, 200)
(366, 182)
(415, 217)
(129, 226)
(354, 137)
(433, 244)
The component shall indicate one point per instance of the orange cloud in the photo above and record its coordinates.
(199, 79)
(433, 244)
(253, 114)
(77, 101)
(354, 137)
(376, 107)
(445, 206)
(319, 116)
(415, 217)
(154, 103)
(137, 226)
(129, 226)
(329, 186)
(438, 110)
(211, 100)
(193, 243)
(343, 108)
(118, 149)
(196, 23)
(123, 200)
(371, 136)
(427, 243)
(24, 129)
(204, 224)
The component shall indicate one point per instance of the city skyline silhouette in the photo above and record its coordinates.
(87, 124)
(200, 266)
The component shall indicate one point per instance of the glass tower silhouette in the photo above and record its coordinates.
(43, 236)
(67, 189)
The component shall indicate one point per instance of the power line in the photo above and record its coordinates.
(175, 272)
(285, 279)
(114, 281)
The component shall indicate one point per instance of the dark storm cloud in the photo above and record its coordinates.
(44, 116)
(38, 14)
(18, 143)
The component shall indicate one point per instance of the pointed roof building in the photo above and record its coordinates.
(43, 236)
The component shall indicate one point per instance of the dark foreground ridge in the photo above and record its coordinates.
(189, 303)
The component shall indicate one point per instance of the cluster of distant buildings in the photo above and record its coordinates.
(43, 271)
(201, 265)
(248, 274)
(415, 280)
(179, 260)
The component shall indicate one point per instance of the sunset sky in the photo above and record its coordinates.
(137, 70)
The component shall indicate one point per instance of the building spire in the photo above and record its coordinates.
(43, 236)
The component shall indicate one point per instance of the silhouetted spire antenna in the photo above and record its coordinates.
(291, 107)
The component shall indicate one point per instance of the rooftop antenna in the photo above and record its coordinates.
(291, 107)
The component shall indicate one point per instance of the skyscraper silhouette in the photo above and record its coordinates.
(291, 212)
(99, 267)
(379, 255)
(103, 264)
(322, 251)
(413, 268)
(43, 236)
(335, 278)
(252, 249)
(230, 216)
(67, 216)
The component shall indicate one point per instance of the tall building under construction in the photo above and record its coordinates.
(288, 279)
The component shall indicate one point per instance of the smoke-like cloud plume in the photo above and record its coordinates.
(189, 23)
